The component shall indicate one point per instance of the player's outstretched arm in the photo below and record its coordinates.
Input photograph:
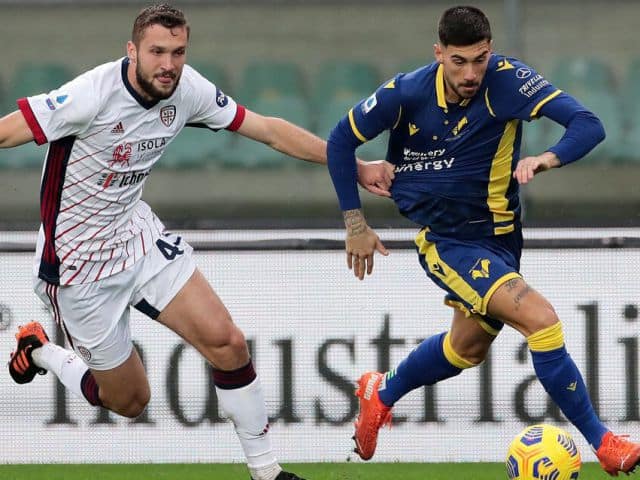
(297, 142)
(14, 130)
(361, 243)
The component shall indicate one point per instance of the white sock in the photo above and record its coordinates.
(65, 364)
(245, 407)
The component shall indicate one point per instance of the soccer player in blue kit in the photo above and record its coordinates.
(455, 131)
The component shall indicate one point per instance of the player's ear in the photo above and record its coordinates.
(437, 52)
(131, 51)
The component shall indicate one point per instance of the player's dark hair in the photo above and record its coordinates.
(160, 14)
(463, 25)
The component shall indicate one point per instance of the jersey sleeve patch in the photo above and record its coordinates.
(369, 104)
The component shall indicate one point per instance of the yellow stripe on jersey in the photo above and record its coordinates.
(452, 356)
(534, 112)
(354, 128)
(399, 117)
(486, 100)
(448, 275)
(499, 179)
(547, 339)
(442, 100)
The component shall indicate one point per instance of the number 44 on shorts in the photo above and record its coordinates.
(170, 250)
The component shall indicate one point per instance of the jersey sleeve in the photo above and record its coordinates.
(211, 106)
(517, 91)
(66, 111)
(376, 113)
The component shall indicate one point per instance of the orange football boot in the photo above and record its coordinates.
(373, 414)
(617, 454)
(21, 366)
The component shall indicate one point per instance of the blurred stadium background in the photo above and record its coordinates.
(309, 61)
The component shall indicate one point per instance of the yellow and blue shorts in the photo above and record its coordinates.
(470, 271)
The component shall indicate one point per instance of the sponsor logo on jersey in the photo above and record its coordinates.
(533, 85)
(121, 155)
(523, 73)
(153, 144)
(425, 165)
(118, 129)
(369, 104)
(413, 129)
(168, 115)
(437, 269)
(119, 180)
(221, 98)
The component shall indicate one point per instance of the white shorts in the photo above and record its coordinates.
(95, 316)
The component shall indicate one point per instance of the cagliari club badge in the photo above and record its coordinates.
(168, 115)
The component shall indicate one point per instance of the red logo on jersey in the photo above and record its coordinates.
(168, 115)
(121, 155)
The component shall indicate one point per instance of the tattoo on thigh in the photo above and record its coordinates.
(512, 283)
(520, 295)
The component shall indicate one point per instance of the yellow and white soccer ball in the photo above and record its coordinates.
(543, 452)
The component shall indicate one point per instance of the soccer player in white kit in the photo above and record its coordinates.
(101, 249)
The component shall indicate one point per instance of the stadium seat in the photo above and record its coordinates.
(213, 72)
(534, 137)
(628, 92)
(249, 153)
(33, 79)
(576, 75)
(412, 64)
(271, 79)
(330, 114)
(344, 79)
(630, 146)
(25, 156)
(605, 106)
(197, 148)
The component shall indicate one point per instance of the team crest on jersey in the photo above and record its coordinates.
(221, 98)
(168, 115)
(84, 352)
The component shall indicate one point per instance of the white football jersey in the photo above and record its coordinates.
(104, 138)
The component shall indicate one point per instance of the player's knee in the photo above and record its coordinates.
(464, 355)
(542, 318)
(546, 339)
(131, 405)
(228, 338)
(473, 354)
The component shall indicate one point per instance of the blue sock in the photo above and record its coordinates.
(563, 382)
(425, 365)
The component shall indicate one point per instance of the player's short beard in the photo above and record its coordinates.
(148, 88)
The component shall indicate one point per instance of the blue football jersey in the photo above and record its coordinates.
(454, 162)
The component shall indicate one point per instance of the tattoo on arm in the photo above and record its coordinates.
(355, 222)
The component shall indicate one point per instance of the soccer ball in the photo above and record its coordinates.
(543, 452)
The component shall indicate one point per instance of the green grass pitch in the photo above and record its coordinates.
(310, 471)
